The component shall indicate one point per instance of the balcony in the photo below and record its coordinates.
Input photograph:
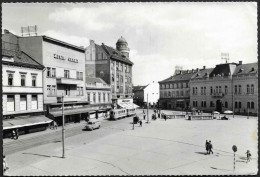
(218, 95)
(68, 81)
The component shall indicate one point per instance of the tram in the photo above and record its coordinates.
(121, 113)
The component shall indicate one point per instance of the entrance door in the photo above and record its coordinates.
(219, 106)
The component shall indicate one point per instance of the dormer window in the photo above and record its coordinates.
(252, 69)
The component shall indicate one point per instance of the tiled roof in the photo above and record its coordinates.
(139, 88)
(248, 68)
(20, 58)
(202, 73)
(115, 54)
(93, 80)
(223, 69)
(185, 75)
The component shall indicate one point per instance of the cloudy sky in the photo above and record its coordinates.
(159, 35)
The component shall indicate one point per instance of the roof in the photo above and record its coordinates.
(203, 73)
(184, 75)
(223, 69)
(248, 68)
(139, 88)
(115, 54)
(93, 80)
(121, 40)
(20, 58)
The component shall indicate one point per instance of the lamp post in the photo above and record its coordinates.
(147, 110)
(63, 130)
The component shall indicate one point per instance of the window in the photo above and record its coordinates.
(67, 74)
(216, 89)
(53, 90)
(204, 90)
(169, 93)
(10, 79)
(239, 89)
(121, 79)
(202, 104)
(171, 86)
(220, 90)
(48, 90)
(48, 72)
(99, 97)
(196, 90)
(201, 90)
(34, 102)
(67, 90)
(226, 89)
(23, 80)
(165, 94)
(79, 75)
(248, 89)
(117, 77)
(88, 97)
(235, 104)
(235, 89)
(252, 105)
(94, 97)
(211, 90)
(239, 104)
(53, 72)
(34, 81)
(23, 102)
(108, 97)
(211, 104)
(181, 93)
(104, 97)
(226, 104)
(173, 93)
(177, 93)
(10, 103)
(252, 89)
(248, 105)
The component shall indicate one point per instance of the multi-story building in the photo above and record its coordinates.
(175, 90)
(98, 92)
(150, 91)
(113, 66)
(22, 89)
(64, 75)
(228, 86)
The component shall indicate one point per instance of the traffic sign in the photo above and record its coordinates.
(234, 148)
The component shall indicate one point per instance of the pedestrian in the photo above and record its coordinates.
(13, 134)
(55, 126)
(165, 117)
(207, 146)
(210, 147)
(17, 133)
(143, 111)
(144, 116)
(248, 156)
(141, 123)
(5, 167)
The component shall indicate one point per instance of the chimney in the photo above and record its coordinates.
(240, 63)
(192, 71)
(6, 31)
(204, 67)
(197, 69)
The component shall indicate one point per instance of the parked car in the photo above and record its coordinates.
(93, 124)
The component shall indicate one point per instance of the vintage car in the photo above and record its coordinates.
(92, 124)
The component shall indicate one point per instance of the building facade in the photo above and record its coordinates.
(175, 90)
(22, 89)
(228, 86)
(113, 66)
(150, 92)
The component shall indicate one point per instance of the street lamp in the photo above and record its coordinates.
(63, 130)
(147, 110)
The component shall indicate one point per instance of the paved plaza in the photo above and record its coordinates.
(171, 147)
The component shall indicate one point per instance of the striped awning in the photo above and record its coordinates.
(25, 121)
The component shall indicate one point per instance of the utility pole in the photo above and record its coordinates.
(232, 95)
(147, 110)
(63, 131)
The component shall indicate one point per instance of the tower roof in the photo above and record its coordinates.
(121, 40)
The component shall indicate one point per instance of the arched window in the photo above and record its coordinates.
(211, 90)
(252, 89)
(235, 89)
(252, 105)
(239, 89)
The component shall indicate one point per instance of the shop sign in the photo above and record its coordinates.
(125, 101)
(60, 57)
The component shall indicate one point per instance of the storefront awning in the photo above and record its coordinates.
(72, 111)
(128, 105)
(25, 121)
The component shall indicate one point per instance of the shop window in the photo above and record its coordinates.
(22, 80)
(10, 103)
(23, 102)
(10, 79)
(34, 81)
(34, 102)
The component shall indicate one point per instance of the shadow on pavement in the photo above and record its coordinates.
(220, 169)
(41, 155)
(204, 153)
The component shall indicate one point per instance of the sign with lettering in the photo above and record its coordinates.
(201, 117)
(60, 57)
(124, 101)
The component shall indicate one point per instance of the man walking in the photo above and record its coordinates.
(141, 123)
(207, 146)
(210, 147)
(248, 156)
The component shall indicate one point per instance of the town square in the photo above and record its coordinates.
(89, 89)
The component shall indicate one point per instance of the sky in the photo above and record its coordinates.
(160, 35)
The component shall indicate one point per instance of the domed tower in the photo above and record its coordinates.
(121, 46)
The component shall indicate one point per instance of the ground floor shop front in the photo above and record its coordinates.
(174, 104)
